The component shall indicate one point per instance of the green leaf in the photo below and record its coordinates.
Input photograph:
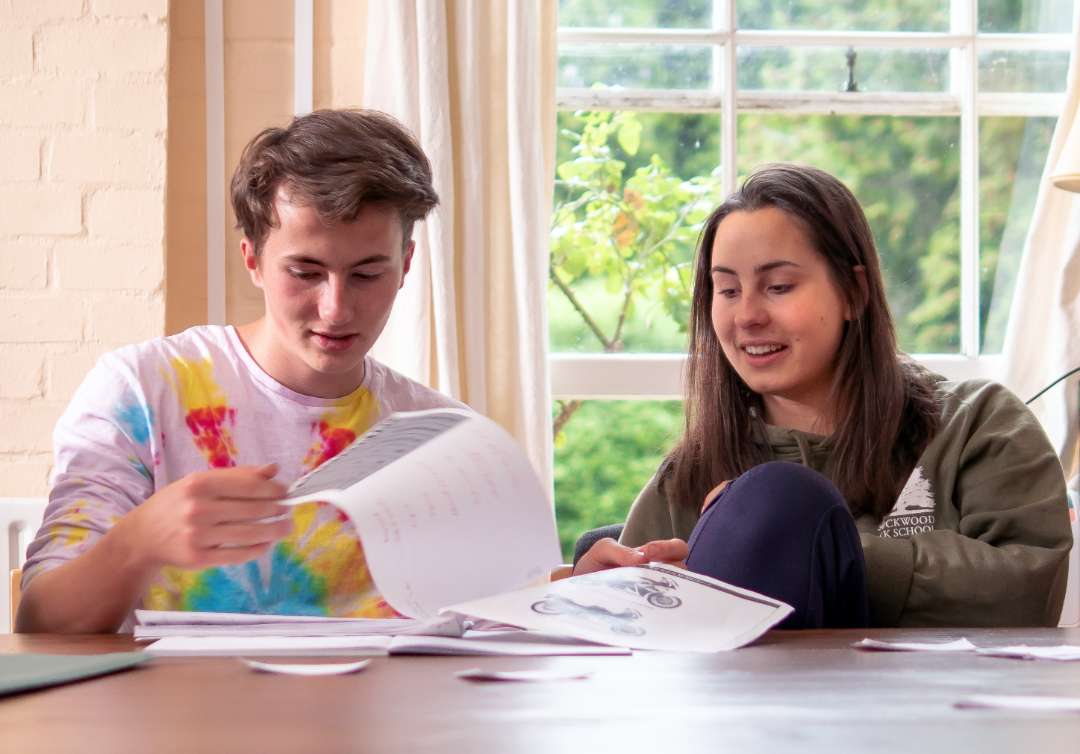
(630, 136)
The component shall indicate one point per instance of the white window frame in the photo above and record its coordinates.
(659, 376)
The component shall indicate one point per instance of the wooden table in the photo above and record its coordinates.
(792, 691)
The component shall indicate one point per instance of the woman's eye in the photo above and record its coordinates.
(781, 288)
(727, 292)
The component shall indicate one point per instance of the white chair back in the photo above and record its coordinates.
(20, 518)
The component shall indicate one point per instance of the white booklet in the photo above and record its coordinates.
(158, 624)
(655, 606)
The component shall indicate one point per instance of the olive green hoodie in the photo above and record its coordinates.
(979, 535)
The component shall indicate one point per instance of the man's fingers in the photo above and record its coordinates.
(243, 482)
(244, 535)
(666, 550)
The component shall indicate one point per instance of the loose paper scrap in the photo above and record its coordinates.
(325, 668)
(1061, 653)
(960, 645)
(476, 674)
(1032, 703)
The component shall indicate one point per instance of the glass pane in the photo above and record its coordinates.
(1025, 16)
(826, 69)
(604, 454)
(906, 174)
(636, 66)
(864, 15)
(1012, 152)
(1023, 71)
(631, 191)
(666, 14)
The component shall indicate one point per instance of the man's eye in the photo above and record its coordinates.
(303, 274)
(366, 275)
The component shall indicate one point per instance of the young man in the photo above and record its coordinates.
(174, 453)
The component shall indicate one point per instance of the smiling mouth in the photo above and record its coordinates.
(763, 350)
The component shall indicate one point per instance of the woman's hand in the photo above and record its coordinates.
(607, 553)
(210, 518)
(713, 494)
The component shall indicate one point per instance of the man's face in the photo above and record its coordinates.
(328, 290)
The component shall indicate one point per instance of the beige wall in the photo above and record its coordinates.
(83, 94)
(103, 181)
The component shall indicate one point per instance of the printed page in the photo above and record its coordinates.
(267, 646)
(391, 439)
(460, 515)
(642, 607)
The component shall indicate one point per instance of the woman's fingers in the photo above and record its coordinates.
(607, 553)
(673, 551)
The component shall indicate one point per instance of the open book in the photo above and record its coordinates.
(450, 512)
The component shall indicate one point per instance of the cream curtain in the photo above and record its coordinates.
(475, 81)
(1042, 340)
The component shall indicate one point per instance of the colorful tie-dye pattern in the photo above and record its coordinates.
(209, 418)
(150, 414)
(318, 569)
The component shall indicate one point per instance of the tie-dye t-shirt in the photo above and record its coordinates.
(150, 414)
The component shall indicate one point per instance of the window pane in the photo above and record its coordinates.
(826, 69)
(636, 66)
(606, 452)
(661, 14)
(1025, 16)
(1023, 71)
(906, 174)
(866, 15)
(631, 191)
(1012, 152)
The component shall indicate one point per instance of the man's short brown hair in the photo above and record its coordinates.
(337, 162)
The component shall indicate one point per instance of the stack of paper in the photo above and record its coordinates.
(158, 624)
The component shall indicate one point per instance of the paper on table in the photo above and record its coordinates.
(325, 668)
(960, 645)
(289, 646)
(158, 624)
(500, 643)
(476, 674)
(1061, 653)
(462, 517)
(1034, 703)
(643, 607)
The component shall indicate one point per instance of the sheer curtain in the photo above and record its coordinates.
(1042, 340)
(475, 81)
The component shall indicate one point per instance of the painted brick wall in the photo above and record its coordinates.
(83, 101)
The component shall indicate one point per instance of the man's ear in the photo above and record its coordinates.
(251, 261)
(406, 262)
(864, 292)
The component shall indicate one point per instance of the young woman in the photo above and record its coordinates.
(819, 466)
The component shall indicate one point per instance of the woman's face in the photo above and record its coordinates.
(778, 315)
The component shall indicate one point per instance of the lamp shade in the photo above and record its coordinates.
(1066, 173)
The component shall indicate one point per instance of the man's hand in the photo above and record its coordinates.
(210, 518)
(607, 553)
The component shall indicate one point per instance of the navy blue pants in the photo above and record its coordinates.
(784, 531)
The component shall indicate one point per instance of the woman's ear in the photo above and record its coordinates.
(864, 293)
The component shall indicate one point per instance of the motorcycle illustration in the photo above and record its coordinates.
(653, 590)
(620, 622)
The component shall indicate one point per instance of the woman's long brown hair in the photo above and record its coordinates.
(886, 411)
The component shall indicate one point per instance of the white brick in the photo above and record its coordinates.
(16, 52)
(84, 49)
(40, 320)
(36, 11)
(150, 9)
(131, 105)
(66, 370)
(28, 425)
(24, 371)
(20, 157)
(136, 215)
(25, 476)
(55, 210)
(89, 157)
(90, 266)
(43, 102)
(120, 320)
(23, 266)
